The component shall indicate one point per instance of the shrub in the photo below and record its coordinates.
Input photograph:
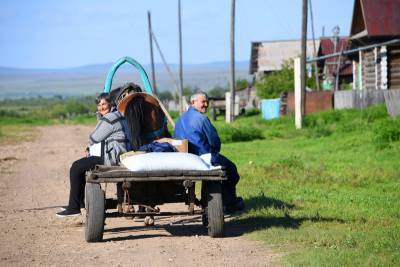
(374, 113)
(386, 132)
(319, 131)
(252, 112)
(230, 134)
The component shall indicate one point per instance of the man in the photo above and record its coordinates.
(203, 138)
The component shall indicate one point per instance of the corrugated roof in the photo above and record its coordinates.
(375, 18)
(327, 47)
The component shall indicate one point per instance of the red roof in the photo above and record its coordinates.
(377, 17)
(327, 47)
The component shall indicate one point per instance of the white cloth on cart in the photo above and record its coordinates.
(159, 161)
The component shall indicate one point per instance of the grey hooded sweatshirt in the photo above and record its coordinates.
(110, 131)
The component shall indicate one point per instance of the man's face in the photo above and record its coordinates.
(200, 103)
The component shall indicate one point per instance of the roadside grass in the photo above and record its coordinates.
(326, 197)
(10, 134)
(19, 116)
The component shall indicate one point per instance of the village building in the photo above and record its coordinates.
(335, 72)
(375, 22)
(268, 56)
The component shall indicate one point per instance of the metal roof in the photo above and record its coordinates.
(375, 18)
(327, 47)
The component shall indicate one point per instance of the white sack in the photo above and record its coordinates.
(165, 161)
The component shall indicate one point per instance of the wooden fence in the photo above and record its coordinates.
(392, 100)
(358, 98)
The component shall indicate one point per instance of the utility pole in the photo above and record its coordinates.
(153, 74)
(315, 49)
(303, 56)
(233, 83)
(180, 60)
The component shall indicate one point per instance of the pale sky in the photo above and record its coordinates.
(70, 33)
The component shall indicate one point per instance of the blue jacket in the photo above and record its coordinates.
(201, 134)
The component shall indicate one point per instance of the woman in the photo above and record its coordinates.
(109, 132)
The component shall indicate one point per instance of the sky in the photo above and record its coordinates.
(71, 33)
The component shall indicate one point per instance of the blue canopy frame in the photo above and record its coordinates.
(143, 75)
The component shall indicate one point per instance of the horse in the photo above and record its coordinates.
(146, 119)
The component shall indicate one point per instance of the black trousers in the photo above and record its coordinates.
(229, 185)
(77, 181)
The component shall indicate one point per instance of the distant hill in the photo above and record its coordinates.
(89, 79)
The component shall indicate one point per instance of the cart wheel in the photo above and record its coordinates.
(149, 220)
(214, 210)
(94, 226)
(204, 217)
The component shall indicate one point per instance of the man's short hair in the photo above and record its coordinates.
(197, 94)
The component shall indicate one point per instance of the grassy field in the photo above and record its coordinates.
(18, 116)
(326, 195)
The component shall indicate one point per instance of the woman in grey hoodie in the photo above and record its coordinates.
(110, 135)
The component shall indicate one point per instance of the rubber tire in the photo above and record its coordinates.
(95, 213)
(215, 212)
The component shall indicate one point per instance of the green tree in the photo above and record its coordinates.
(165, 96)
(272, 85)
(241, 84)
(217, 91)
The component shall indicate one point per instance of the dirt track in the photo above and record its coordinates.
(34, 184)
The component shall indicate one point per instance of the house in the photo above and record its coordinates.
(375, 22)
(268, 56)
(331, 67)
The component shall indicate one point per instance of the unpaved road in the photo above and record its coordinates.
(34, 184)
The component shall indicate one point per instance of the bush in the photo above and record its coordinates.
(374, 113)
(252, 112)
(386, 132)
(230, 134)
(272, 85)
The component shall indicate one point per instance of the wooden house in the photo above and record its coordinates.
(375, 22)
(336, 70)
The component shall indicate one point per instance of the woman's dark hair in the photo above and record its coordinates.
(105, 96)
(134, 113)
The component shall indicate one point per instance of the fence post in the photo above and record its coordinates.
(297, 93)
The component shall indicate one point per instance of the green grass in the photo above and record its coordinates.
(326, 195)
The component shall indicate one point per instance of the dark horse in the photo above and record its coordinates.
(146, 120)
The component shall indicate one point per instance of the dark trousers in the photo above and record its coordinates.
(228, 186)
(78, 181)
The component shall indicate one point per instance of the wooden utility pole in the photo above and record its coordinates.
(315, 49)
(180, 60)
(153, 74)
(303, 56)
(233, 82)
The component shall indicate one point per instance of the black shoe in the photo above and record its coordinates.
(235, 206)
(68, 213)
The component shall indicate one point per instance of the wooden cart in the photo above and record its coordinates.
(151, 189)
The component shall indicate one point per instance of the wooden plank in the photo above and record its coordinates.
(392, 100)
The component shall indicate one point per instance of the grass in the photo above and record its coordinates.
(19, 116)
(327, 195)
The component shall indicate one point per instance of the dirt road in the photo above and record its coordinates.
(34, 184)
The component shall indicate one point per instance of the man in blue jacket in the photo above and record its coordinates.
(203, 138)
